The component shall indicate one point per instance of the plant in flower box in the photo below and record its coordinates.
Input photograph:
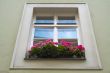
(61, 50)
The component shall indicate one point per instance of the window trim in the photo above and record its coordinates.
(30, 7)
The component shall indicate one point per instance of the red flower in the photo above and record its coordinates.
(66, 43)
(81, 47)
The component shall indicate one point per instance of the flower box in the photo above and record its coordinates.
(52, 50)
(55, 58)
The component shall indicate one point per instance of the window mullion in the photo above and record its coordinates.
(78, 31)
(78, 36)
(55, 38)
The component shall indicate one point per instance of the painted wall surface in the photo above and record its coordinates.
(10, 16)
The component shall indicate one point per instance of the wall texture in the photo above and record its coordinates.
(10, 16)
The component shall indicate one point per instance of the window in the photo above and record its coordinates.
(65, 36)
(59, 28)
(56, 32)
(70, 22)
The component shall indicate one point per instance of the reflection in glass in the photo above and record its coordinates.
(66, 20)
(44, 33)
(68, 33)
(44, 20)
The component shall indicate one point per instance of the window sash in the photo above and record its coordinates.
(55, 27)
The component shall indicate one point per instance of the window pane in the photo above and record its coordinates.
(44, 20)
(67, 33)
(43, 33)
(66, 20)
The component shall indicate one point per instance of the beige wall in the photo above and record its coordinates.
(10, 16)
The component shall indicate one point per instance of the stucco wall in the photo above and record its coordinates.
(10, 16)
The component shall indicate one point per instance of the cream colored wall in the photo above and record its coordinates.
(10, 16)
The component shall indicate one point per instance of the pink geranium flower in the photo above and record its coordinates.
(66, 43)
(81, 47)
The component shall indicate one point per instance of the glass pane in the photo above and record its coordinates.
(66, 20)
(67, 33)
(44, 20)
(43, 33)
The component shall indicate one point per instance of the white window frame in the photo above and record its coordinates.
(88, 39)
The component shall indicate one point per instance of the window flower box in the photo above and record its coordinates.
(53, 50)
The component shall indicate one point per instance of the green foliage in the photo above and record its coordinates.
(77, 53)
(64, 52)
(49, 51)
(52, 51)
(35, 51)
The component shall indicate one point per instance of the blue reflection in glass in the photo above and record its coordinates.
(44, 20)
(67, 21)
(67, 33)
(45, 33)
